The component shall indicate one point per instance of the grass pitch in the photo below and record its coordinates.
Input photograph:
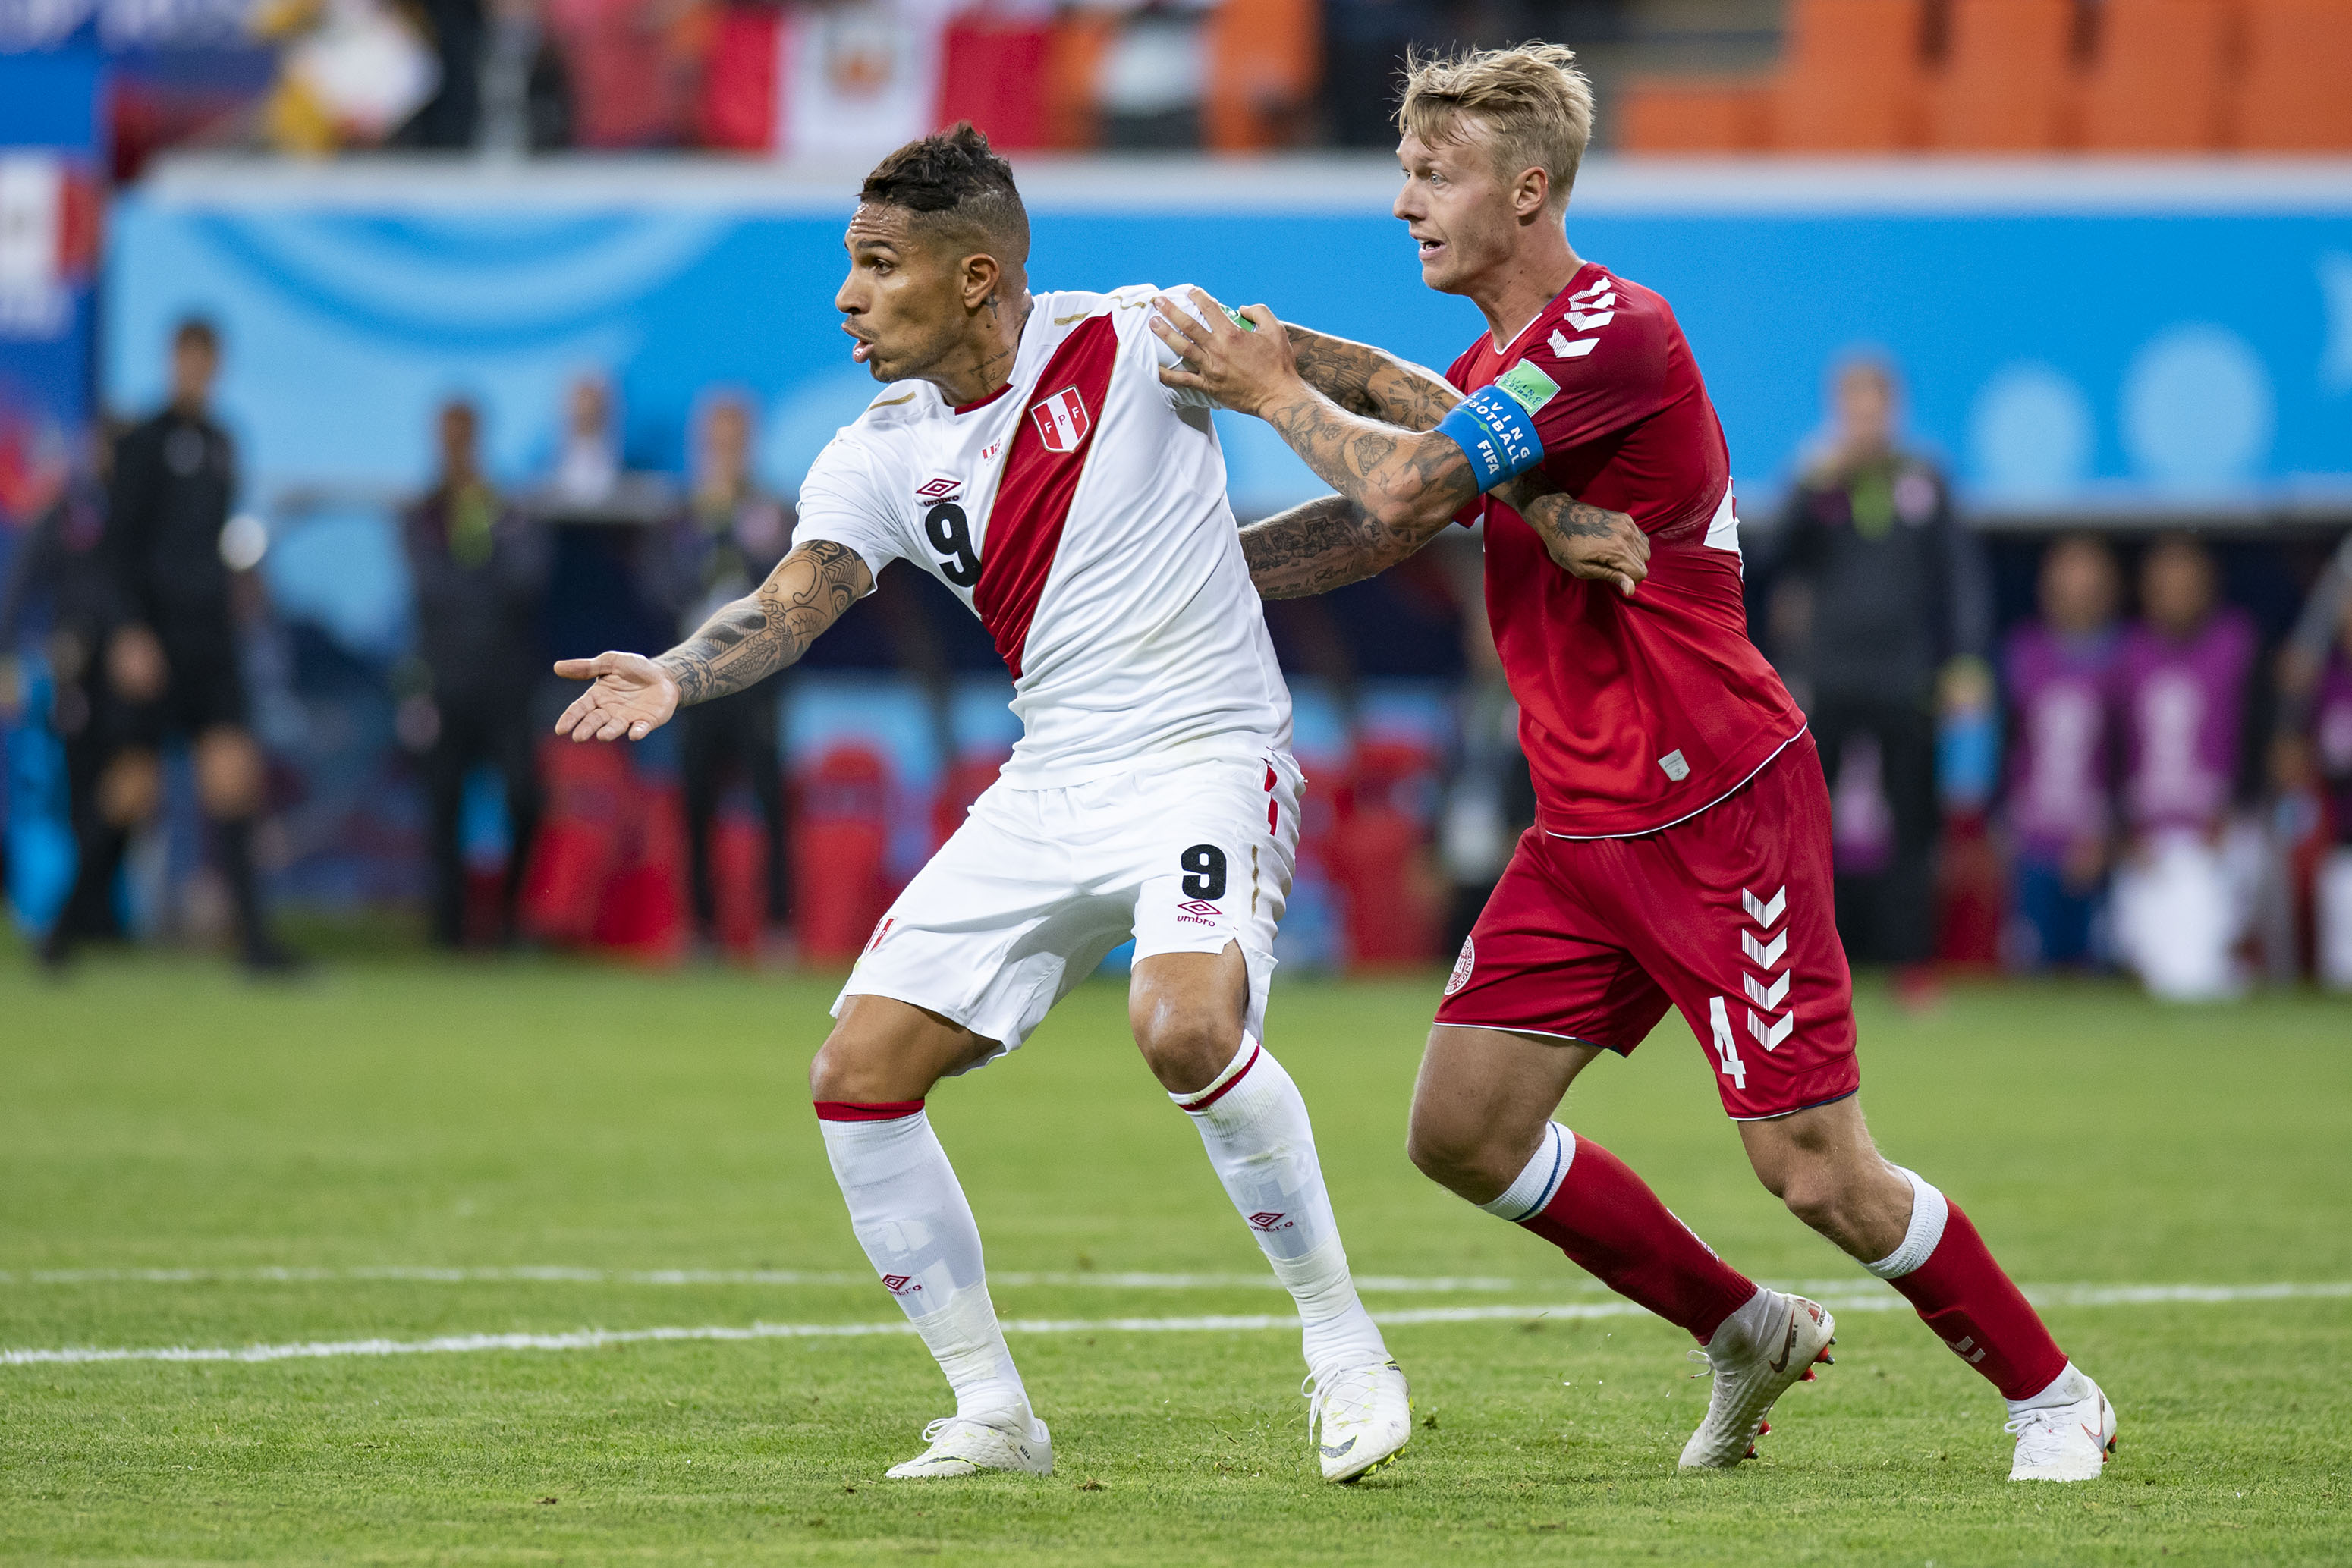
(189, 1161)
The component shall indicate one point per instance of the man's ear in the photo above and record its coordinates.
(980, 277)
(1528, 196)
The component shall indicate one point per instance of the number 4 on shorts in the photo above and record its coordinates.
(1727, 1048)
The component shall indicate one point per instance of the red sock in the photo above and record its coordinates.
(1613, 1226)
(1964, 1296)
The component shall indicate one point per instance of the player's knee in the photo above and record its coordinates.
(1185, 1046)
(1814, 1194)
(1452, 1153)
(843, 1070)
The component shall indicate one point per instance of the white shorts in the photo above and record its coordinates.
(1038, 885)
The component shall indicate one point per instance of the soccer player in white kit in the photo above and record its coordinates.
(1025, 453)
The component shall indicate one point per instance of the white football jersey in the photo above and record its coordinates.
(1081, 514)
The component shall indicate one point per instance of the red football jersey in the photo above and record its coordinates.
(1634, 713)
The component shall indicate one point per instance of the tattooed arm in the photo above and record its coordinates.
(1316, 548)
(745, 642)
(1370, 381)
(1364, 434)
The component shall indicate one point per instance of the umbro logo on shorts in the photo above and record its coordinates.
(1200, 906)
(901, 1284)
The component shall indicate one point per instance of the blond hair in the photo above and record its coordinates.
(1535, 105)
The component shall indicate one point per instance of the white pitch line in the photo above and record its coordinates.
(567, 1276)
(593, 1339)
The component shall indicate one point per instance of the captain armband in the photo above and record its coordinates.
(1496, 427)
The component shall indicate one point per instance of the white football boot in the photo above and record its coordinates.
(2069, 1440)
(960, 1445)
(1762, 1351)
(1359, 1418)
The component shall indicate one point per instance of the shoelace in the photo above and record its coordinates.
(2051, 1417)
(939, 1428)
(1346, 1393)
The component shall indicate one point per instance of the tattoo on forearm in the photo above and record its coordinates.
(1415, 479)
(1363, 380)
(1552, 511)
(1317, 546)
(757, 635)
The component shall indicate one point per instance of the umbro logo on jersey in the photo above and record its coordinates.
(939, 490)
(899, 1284)
(1062, 421)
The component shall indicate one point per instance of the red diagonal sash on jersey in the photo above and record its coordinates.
(1041, 476)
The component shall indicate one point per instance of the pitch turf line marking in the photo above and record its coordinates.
(595, 1339)
(528, 1275)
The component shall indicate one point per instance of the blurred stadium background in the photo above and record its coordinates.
(2103, 246)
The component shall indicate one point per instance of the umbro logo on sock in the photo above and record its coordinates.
(1270, 1221)
(901, 1284)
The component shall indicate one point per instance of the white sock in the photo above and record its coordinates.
(910, 1216)
(1930, 1211)
(2065, 1389)
(1254, 1126)
(1546, 1169)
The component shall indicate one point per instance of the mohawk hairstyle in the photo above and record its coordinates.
(953, 183)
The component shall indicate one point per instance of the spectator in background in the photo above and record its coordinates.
(728, 539)
(457, 31)
(479, 569)
(350, 73)
(2314, 740)
(1365, 44)
(173, 665)
(1894, 600)
(2181, 675)
(61, 595)
(587, 470)
(2059, 677)
(632, 66)
(1154, 77)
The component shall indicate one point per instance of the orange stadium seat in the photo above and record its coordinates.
(2158, 82)
(2295, 92)
(1074, 54)
(1265, 63)
(1852, 78)
(1677, 114)
(2008, 84)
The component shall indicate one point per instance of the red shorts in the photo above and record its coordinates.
(1728, 916)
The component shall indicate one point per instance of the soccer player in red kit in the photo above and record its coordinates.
(1681, 851)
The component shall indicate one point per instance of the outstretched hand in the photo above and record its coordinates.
(1237, 368)
(629, 694)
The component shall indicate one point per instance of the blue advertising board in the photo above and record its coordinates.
(2136, 336)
